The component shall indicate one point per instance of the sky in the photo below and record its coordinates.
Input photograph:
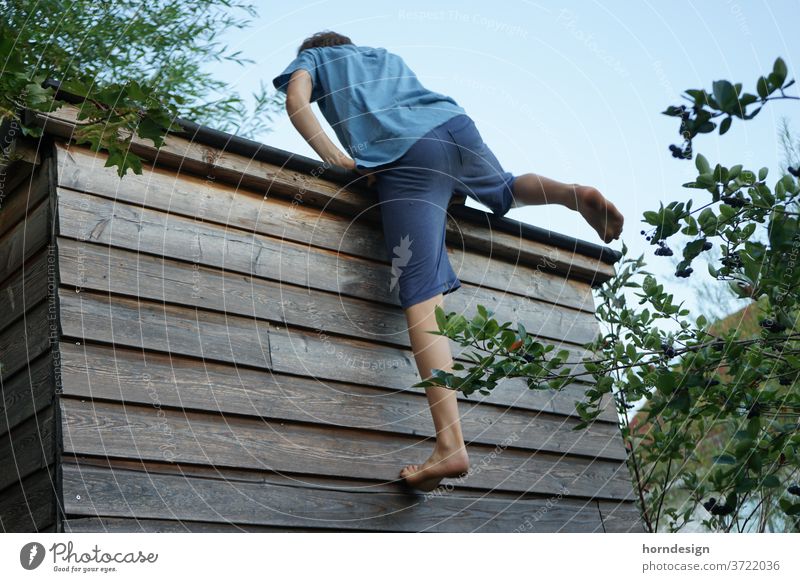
(570, 90)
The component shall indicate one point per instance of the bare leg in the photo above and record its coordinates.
(449, 458)
(601, 214)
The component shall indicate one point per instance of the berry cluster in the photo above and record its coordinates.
(735, 201)
(772, 325)
(715, 508)
(663, 250)
(732, 261)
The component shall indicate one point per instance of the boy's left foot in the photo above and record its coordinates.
(601, 214)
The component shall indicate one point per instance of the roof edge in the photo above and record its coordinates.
(297, 162)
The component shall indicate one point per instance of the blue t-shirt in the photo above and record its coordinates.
(375, 104)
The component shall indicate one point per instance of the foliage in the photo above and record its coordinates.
(139, 65)
(728, 394)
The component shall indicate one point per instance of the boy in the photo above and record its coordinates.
(418, 148)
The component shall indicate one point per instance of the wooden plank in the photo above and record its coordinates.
(166, 280)
(623, 517)
(140, 494)
(95, 219)
(28, 392)
(167, 328)
(514, 248)
(24, 198)
(204, 200)
(24, 239)
(133, 525)
(24, 340)
(318, 355)
(360, 236)
(543, 319)
(29, 506)
(528, 281)
(21, 161)
(26, 288)
(27, 448)
(158, 434)
(130, 376)
(245, 171)
(86, 316)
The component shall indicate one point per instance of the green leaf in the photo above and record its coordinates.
(651, 217)
(779, 71)
(666, 382)
(724, 459)
(762, 86)
(725, 95)
(725, 125)
(441, 318)
(702, 165)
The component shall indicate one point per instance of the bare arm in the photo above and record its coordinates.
(298, 106)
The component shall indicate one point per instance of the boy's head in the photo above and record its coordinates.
(324, 38)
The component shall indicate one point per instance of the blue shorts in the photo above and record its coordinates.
(414, 192)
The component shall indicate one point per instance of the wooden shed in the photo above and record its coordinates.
(213, 345)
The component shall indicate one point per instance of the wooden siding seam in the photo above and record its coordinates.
(52, 292)
(278, 323)
(330, 425)
(43, 207)
(471, 492)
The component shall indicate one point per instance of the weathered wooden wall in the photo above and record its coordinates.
(232, 360)
(27, 411)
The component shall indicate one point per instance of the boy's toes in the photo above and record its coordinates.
(407, 470)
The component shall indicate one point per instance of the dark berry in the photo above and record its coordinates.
(684, 272)
(772, 325)
(707, 245)
(794, 489)
(754, 411)
(794, 172)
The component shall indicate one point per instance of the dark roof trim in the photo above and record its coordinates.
(259, 151)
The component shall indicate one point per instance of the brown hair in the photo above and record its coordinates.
(324, 38)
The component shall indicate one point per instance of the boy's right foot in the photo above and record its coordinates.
(440, 465)
(601, 214)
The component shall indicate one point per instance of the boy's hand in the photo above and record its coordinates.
(350, 164)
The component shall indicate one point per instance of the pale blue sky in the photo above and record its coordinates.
(570, 90)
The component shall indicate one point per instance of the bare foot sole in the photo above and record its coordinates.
(426, 477)
(601, 214)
